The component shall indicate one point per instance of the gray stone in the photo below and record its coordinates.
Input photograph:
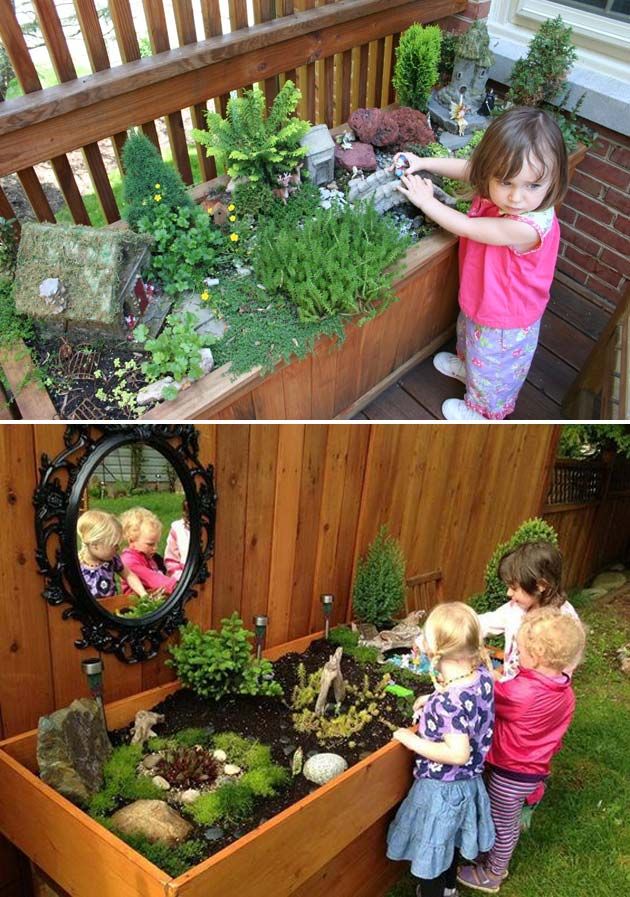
(161, 783)
(321, 768)
(151, 761)
(72, 748)
(609, 580)
(213, 834)
(53, 292)
(212, 281)
(207, 361)
(154, 819)
(153, 392)
(360, 156)
(189, 796)
(452, 141)
(320, 156)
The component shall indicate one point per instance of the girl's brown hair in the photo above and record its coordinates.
(454, 632)
(522, 134)
(537, 568)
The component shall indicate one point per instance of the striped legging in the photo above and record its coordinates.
(506, 801)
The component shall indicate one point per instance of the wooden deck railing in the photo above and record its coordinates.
(340, 51)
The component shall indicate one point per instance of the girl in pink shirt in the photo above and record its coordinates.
(507, 254)
(533, 712)
(142, 529)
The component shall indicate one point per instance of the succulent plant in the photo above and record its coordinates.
(188, 767)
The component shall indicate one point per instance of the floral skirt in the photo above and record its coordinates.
(497, 363)
(434, 819)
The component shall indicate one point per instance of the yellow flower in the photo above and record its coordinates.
(232, 217)
(231, 207)
(158, 197)
(157, 186)
(234, 238)
(204, 296)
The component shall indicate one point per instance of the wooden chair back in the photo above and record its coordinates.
(424, 591)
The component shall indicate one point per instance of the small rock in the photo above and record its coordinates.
(161, 782)
(207, 361)
(212, 281)
(360, 156)
(609, 580)
(213, 834)
(220, 755)
(288, 749)
(323, 767)
(52, 291)
(284, 739)
(231, 769)
(154, 819)
(151, 761)
(189, 796)
(153, 392)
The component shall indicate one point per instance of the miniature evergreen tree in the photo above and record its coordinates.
(147, 177)
(252, 145)
(537, 77)
(379, 586)
(494, 595)
(417, 65)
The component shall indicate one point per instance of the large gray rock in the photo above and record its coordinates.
(609, 580)
(322, 768)
(72, 747)
(154, 819)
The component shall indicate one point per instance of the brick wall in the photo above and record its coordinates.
(595, 245)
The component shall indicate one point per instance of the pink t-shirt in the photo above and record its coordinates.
(499, 286)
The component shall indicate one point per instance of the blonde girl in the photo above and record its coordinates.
(142, 530)
(507, 254)
(533, 712)
(99, 537)
(532, 573)
(446, 813)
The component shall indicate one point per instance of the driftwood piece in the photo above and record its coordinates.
(403, 635)
(331, 675)
(142, 727)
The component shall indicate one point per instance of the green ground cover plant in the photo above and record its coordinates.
(176, 351)
(579, 840)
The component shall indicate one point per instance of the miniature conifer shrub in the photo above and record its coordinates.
(495, 592)
(252, 144)
(537, 77)
(417, 60)
(216, 663)
(146, 177)
(379, 587)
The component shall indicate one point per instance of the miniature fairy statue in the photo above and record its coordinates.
(331, 675)
(488, 103)
(458, 115)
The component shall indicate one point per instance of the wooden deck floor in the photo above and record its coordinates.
(570, 328)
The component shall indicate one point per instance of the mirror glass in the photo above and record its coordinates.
(133, 531)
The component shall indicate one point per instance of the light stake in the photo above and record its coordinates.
(260, 631)
(327, 603)
(93, 669)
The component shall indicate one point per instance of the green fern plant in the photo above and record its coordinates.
(417, 65)
(251, 144)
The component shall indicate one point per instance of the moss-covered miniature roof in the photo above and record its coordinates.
(475, 44)
(91, 263)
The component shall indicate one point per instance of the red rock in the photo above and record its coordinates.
(388, 128)
(360, 156)
(412, 126)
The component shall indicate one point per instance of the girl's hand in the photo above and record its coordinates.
(418, 190)
(415, 162)
(420, 702)
(404, 736)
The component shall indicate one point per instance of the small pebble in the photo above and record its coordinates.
(231, 769)
(220, 755)
(213, 834)
(161, 782)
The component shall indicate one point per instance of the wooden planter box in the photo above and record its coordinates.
(331, 842)
(333, 381)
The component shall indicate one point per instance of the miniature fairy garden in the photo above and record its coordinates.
(300, 235)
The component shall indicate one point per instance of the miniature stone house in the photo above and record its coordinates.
(81, 281)
(320, 156)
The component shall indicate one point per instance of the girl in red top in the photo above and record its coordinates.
(142, 529)
(507, 253)
(533, 712)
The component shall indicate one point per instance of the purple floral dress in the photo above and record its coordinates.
(101, 580)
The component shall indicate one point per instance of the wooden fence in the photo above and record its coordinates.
(339, 51)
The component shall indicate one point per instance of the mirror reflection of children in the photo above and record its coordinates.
(533, 712)
(178, 544)
(532, 573)
(507, 254)
(142, 529)
(446, 814)
(100, 534)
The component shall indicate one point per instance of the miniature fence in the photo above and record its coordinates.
(340, 52)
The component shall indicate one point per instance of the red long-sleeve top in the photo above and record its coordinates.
(146, 570)
(533, 712)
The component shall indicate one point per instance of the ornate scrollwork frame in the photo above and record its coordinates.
(57, 511)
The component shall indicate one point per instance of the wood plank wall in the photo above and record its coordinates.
(304, 43)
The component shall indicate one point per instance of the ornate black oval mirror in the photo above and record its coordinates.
(127, 534)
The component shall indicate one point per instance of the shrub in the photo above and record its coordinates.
(494, 595)
(416, 68)
(448, 45)
(254, 145)
(379, 587)
(214, 664)
(144, 171)
(334, 264)
(538, 77)
(187, 245)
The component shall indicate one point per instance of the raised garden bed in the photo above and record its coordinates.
(329, 841)
(335, 380)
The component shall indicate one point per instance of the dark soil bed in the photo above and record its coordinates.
(269, 721)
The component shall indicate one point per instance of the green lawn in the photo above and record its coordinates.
(165, 505)
(579, 842)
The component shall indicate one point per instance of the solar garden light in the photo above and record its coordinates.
(327, 604)
(260, 631)
(93, 669)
